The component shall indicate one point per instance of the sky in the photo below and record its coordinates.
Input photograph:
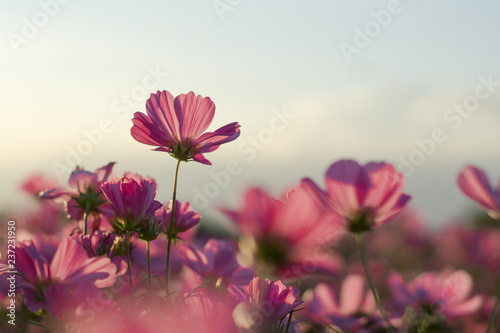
(412, 83)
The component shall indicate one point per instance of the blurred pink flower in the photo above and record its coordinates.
(84, 193)
(474, 184)
(185, 217)
(293, 235)
(216, 264)
(132, 201)
(37, 183)
(366, 196)
(351, 310)
(67, 270)
(265, 303)
(447, 293)
(176, 126)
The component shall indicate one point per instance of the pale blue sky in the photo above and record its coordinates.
(78, 67)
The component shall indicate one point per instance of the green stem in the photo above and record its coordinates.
(371, 280)
(49, 326)
(493, 314)
(289, 321)
(129, 264)
(86, 217)
(149, 274)
(169, 241)
(37, 324)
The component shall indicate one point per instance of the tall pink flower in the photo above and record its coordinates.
(474, 184)
(132, 201)
(366, 196)
(177, 126)
(84, 194)
(67, 270)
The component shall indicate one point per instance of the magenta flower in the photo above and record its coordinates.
(176, 126)
(475, 184)
(132, 201)
(366, 196)
(265, 303)
(84, 194)
(217, 265)
(184, 218)
(37, 183)
(67, 270)
(440, 293)
(288, 235)
(351, 310)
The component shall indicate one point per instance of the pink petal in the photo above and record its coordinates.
(56, 193)
(465, 308)
(387, 186)
(104, 172)
(457, 287)
(474, 183)
(242, 276)
(161, 110)
(210, 141)
(316, 192)
(195, 114)
(200, 158)
(80, 180)
(347, 185)
(145, 131)
(352, 294)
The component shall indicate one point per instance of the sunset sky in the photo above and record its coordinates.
(412, 83)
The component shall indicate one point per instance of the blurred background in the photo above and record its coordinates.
(412, 83)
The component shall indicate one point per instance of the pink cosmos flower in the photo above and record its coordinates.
(475, 184)
(352, 309)
(132, 201)
(445, 293)
(61, 274)
(102, 244)
(366, 196)
(37, 183)
(265, 303)
(185, 217)
(84, 194)
(217, 265)
(292, 235)
(176, 126)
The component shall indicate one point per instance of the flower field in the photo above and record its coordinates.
(348, 254)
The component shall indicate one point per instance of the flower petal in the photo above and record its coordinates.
(195, 114)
